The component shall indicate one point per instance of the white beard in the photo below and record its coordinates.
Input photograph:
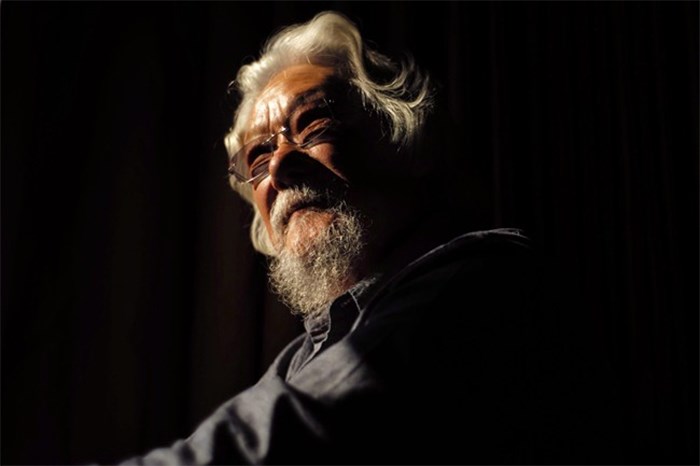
(310, 277)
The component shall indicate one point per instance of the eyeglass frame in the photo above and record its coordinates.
(285, 130)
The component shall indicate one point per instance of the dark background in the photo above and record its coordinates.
(132, 302)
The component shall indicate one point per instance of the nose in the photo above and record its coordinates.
(289, 166)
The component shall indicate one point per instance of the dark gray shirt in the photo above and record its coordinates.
(453, 360)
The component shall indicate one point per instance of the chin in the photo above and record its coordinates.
(317, 260)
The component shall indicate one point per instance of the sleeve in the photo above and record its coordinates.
(269, 420)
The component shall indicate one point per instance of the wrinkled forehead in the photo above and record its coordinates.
(286, 91)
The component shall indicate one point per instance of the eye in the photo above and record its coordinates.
(259, 153)
(318, 131)
(312, 124)
(260, 167)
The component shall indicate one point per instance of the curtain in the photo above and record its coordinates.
(132, 301)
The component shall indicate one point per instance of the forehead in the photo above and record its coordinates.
(286, 90)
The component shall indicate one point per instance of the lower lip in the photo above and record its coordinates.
(303, 211)
(295, 212)
(299, 211)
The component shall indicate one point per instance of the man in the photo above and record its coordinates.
(423, 344)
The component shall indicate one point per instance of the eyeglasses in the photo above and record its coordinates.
(251, 163)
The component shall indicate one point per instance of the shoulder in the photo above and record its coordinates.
(490, 245)
(464, 271)
(476, 295)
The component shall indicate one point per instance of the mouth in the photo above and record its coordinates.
(295, 201)
(299, 206)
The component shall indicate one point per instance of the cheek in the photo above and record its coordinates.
(263, 197)
(353, 167)
(337, 165)
(338, 161)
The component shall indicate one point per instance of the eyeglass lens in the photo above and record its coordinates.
(314, 126)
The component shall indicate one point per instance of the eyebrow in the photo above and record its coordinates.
(308, 96)
(304, 98)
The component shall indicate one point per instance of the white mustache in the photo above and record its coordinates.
(292, 199)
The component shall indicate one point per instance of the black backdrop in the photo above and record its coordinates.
(132, 303)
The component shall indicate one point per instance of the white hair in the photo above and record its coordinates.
(399, 93)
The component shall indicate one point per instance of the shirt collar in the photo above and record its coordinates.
(345, 312)
(338, 318)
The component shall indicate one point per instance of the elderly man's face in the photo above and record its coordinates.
(298, 98)
(333, 203)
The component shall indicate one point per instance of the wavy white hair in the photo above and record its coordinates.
(400, 93)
